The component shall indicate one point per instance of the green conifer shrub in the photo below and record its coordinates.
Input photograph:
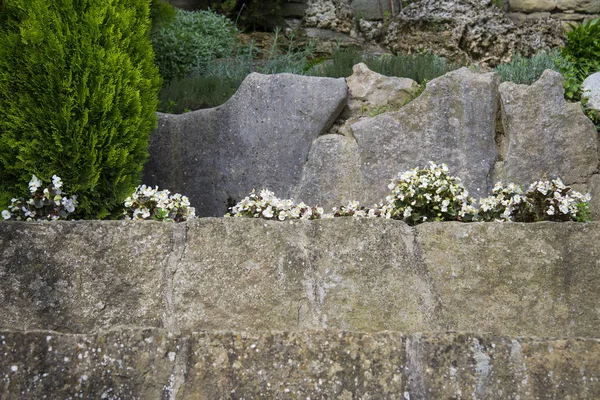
(78, 94)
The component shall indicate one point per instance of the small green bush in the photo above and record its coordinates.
(341, 63)
(161, 14)
(196, 92)
(525, 71)
(191, 41)
(78, 95)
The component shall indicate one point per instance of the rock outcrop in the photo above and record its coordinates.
(466, 31)
(351, 274)
(545, 137)
(261, 136)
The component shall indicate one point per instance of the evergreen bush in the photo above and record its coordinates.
(78, 94)
(191, 41)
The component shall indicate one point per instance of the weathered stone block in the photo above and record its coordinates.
(452, 122)
(532, 5)
(83, 276)
(545, 137)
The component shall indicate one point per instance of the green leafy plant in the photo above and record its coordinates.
(526, 71)
(78, 95)
(45, 204)
(148, 203)
(191, 41)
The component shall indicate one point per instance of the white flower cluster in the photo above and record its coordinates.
(354, 209)
(151, 203)
(266, 205)
(419, 195)
(46, 204)
(430, 194)
(544, 200)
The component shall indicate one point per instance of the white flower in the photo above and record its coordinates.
(6, 214)
(56, 182)
(34, 184)
(550, 210)
(268, 212)
(407, 212)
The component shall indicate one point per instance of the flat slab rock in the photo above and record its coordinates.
(368, 275)
(143, 363)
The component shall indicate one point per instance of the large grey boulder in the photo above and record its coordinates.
(259, 138)
(452, 122)
(545, 137)
(152, 364)
(591, 91)
(345, 273)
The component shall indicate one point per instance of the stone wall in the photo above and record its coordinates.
(351, 274)
(567, 11)
(152, 364)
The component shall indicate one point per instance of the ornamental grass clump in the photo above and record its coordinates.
(429, 194)
(543, 201)
(148, 203)
(266, 205)
(45, 204)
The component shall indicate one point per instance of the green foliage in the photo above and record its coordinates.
(217, 82)
(161, 14)
(191, 41)
(341, 63)
(249, 15)
(525, 71)
(583, 47)
(78, 94)
(195, 92)
(419, 67)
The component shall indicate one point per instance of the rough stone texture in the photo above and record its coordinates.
(591, 91)
(331, 176)
(126, 363)
(545, 137)
(462, 365)
(453, 122)
(259, 138)
(484, 272)
(83, 276)
(467, 31)
(587, 6)
(336, 15)
(532, 5)
(139, 363)
(369, 90)
(373, 9)
(353, 274)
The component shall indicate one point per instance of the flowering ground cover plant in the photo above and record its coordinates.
(266, 205)
(543, 201)
(431, 194)
(45, 204)
(148, 203)
(419, 195)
